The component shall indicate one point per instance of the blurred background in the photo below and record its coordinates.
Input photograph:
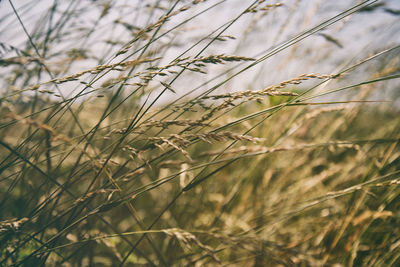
(75, 35)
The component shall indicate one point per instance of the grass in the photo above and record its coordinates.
(153, 140)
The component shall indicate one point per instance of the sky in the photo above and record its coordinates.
(327, 51)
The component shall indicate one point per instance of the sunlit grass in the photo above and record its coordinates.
(130, 156)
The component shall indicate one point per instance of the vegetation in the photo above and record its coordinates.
(131, 134)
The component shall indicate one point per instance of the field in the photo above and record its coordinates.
(199, 133)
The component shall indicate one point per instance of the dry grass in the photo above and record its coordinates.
(126, 156)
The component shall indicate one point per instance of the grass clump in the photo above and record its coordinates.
(153, 140)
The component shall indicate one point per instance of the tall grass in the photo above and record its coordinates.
(131, 134)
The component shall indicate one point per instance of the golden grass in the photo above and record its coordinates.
(105, 175)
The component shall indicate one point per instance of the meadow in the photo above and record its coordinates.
(199, 133)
